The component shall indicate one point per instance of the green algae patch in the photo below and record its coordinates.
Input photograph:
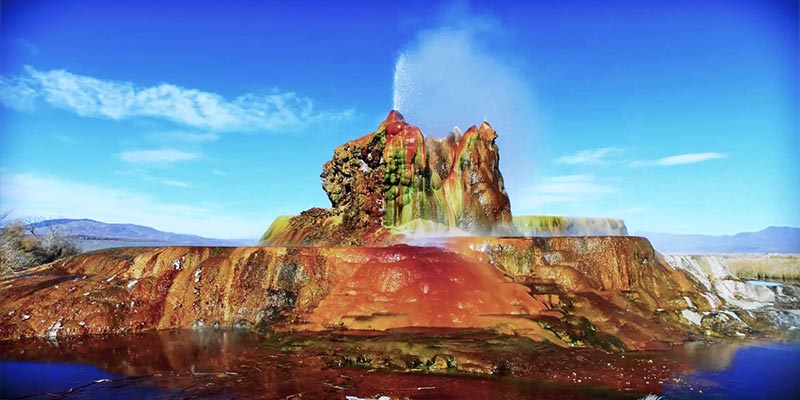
(547, 225)
(419, 226)
(531, 224)
(278, 226)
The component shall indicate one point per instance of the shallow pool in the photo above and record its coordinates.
(235, 364)
(748, 371)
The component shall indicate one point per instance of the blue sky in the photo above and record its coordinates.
(677, 116)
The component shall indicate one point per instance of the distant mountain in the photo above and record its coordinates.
(775, 239)
(93, 235)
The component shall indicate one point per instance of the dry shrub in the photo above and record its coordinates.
(21, 247)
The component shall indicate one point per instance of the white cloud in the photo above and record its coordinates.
(139, 174)
(590, 157)
(93, 97)
(162, 156)
(573, 185)
(17, 93)
(187, 137)
(174, 183)
(218, 172)
(680, 159)
(562, 189)
(26, 194)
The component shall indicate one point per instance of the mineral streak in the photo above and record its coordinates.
(395, 178)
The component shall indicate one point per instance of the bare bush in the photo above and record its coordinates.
(23, 246)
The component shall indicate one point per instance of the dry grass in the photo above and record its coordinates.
(781, 267)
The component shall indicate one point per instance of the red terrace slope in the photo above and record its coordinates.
(394, 177)
(514, 286)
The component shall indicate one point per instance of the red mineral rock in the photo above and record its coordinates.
(394, 180)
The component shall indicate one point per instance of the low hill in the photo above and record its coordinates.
(775, 239)
(93, 235)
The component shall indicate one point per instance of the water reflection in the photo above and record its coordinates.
(230, 363)
(40, 380)
(739, 371)
(225, 364)
(707, 357)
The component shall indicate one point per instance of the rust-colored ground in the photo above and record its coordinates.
(609, 293)
(578, 317)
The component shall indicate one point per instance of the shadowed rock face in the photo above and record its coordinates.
(395, 177)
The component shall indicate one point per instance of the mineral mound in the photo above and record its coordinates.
(395, 180)
(342, 269)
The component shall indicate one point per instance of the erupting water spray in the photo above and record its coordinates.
(452, 75)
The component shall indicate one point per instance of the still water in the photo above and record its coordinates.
(750, 371)
(233, 364)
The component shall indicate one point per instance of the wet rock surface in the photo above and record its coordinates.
(610, 293)
(395, 180)
(738, 307)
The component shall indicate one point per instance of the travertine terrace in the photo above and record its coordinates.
(349, 267)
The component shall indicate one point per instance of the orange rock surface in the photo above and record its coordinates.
(604, 292)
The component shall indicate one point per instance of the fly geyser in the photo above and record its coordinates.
(396, 180)
(346, 268)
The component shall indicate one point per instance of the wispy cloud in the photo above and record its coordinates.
(182, 136)
(626, 212)
(591, 157)
(174, 183)
(17, 93)
(66, 139)
(35, 194)
(573, 184)
(92, 97)
(161, 156)
(218, 172)
(139, 174)
(680, 159)
(563, 189)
